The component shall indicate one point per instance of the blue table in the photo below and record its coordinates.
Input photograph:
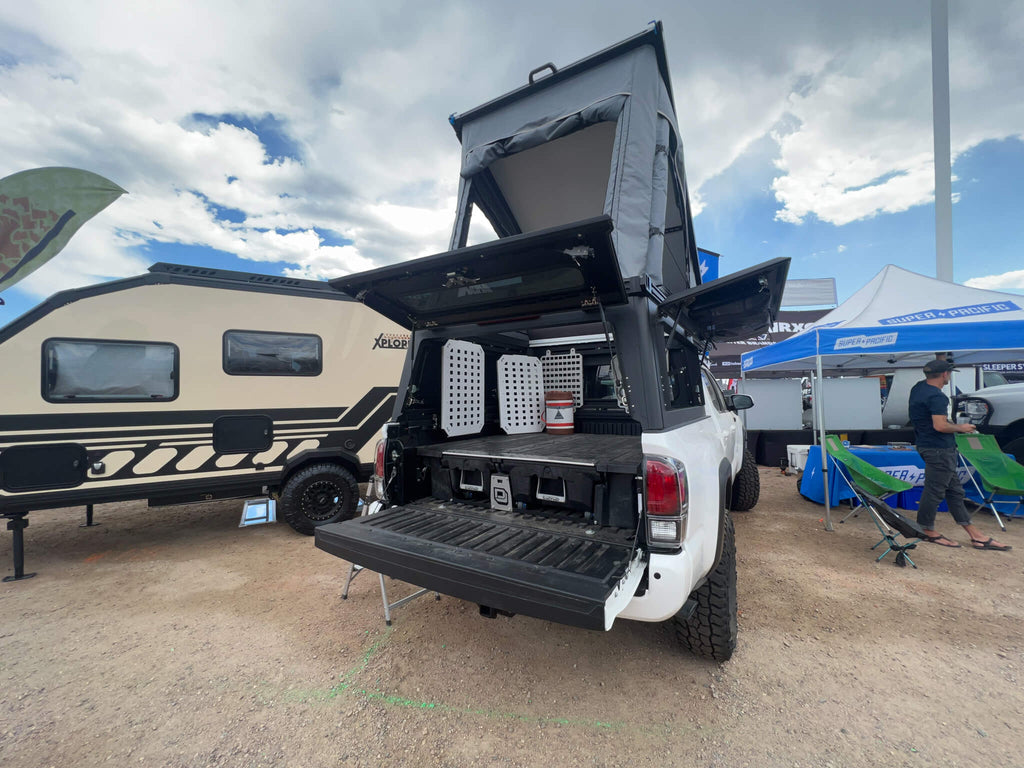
(903, 463)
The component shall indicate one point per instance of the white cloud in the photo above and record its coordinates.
(862, 143)
(364, 90)
(1008, 281)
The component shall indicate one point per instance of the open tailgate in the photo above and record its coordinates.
(560, 571)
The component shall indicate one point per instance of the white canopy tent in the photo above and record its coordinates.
(900, 319)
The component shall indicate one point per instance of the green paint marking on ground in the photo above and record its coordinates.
(346, 685)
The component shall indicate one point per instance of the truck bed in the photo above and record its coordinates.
(550, 568)
(604, 453)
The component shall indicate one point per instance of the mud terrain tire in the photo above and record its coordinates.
(746, 489)
(710, 631)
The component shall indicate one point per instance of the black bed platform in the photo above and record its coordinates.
(604, 453)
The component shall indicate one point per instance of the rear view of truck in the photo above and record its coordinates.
(557, 447)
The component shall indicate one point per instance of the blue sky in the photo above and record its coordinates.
(249, 142)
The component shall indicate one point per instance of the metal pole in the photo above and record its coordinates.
(940, 129)
(819, 399)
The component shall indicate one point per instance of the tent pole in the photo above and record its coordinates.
(819, 407)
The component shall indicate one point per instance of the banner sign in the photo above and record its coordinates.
(708, 261)
(951, 313)
(725, 358)
(40, 210)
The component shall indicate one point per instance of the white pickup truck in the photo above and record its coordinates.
(591, 293)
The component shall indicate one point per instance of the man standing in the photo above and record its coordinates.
(937, 447)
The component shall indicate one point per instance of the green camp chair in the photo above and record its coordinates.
(869, 484)
(999, 473)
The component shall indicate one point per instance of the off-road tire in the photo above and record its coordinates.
(317, 495)
(710, 631)
(746, 488)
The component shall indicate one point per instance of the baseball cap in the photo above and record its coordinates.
(933, 367)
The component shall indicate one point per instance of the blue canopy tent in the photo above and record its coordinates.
(900, 319)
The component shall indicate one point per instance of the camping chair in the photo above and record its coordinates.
(869, 484)
(999, 473)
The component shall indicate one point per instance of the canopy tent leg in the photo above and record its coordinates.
(17, 525)
(819, 408)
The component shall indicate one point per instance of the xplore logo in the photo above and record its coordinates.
(391, 341)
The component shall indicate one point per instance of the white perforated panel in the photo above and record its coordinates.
(520, 394)
(564, 373)
(462, 388)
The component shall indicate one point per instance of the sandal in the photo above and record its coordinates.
(942, 541)
(989, 544)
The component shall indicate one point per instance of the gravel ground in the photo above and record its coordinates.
(170, 637)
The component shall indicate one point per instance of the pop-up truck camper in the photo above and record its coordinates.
(558, 449)
(189, 384)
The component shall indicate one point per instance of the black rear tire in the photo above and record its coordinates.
(317, 495)
(746, 488)
(711, 630)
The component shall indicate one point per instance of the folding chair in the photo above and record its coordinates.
(869, 484)
(999, 473)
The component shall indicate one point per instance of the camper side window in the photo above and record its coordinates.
(680, 371)
(88, 371)
(267, 353)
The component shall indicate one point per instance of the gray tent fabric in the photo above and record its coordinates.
(646, 197)
(541, 131)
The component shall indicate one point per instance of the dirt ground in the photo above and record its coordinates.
(169, 637)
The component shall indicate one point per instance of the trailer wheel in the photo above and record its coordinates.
(319, 494)
(746, 489)
(710, 630)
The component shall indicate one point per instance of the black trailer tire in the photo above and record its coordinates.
(710, 630)
(746, 488)
(319, 494)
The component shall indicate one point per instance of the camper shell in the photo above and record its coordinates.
(188, 384)
(590, 293)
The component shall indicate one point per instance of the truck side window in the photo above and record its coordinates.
(717, 399)
(266, 353)
(92, 370)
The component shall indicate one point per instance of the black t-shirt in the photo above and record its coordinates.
(927, 401)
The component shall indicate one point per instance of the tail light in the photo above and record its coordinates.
(377, 481)
(666, 501)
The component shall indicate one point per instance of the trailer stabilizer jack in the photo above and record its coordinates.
(17, 526)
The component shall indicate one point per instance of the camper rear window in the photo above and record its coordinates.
(266, 353)
(89, 371)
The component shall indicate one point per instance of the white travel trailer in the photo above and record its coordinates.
(188, 384)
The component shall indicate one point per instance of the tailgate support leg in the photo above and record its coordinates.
(354, 570)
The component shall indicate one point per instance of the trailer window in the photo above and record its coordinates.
(88, 370)
(266, 353)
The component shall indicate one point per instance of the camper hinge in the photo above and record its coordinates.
(592, 301)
